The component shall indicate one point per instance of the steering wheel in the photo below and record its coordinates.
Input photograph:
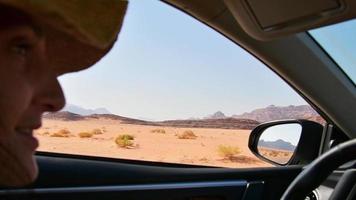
(317, 171)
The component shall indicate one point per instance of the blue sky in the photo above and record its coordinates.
(167, 65)
(286, 132)
(339, 41)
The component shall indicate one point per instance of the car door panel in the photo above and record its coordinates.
(75, 177)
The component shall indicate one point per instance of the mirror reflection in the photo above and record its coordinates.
(277, 143)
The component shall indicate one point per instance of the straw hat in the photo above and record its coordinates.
(79, 32)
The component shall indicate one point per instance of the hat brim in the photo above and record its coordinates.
(67, 54)
(78, 32)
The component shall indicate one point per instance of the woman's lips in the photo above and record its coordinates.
(28, 138)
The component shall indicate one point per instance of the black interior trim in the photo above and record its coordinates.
(317, 171)
(126, 161)
(69, 172)
(307, 148)
(126, 188)
(345, 187)
(227, 190)
(58, 172)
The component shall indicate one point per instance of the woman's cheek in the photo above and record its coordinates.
(15, 98)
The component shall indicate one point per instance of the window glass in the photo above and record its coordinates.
(340, 43)
(171, 90)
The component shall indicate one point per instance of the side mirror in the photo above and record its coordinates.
(286, 142)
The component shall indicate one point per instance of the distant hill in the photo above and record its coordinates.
(63, 115)
(120, 119)
(217, 115)
(227, 123)
(83, 111)
(278, 144)
(318, 119)
(247, 120)
(272, 112)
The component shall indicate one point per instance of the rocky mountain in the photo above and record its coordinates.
(63, 115)
(83, 111)
(278, 144)
(226, 123)
(217, 115)
(317, 118)
(246, 120)
(278, 112)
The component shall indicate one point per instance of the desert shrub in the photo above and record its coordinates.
(126, 136)
(85, 135)
(41, 133)
(228, 152)
(64, 132)
(61, 133)
(56, 134)
(45, 133)
(286, 154)
(96, 131)
(188, 134)
(124, 141)
(104, 129)
(158, 130)
(203, 159)
(273, 153)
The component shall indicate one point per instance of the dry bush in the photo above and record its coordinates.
(85, 135)
(188, 134)
(204, 159)
(287, 154)
(104, 129)
(125, 141)
(56, 134)
(275, 153)
(96, 131)
(41, 133)
(244, 159)
(279, 156)
(158, 130)
(228, 152)
(272, 153)
(61, 133)
(126, 137)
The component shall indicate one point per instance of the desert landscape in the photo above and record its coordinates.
(111, 137)
(277, 155)
(216, 140)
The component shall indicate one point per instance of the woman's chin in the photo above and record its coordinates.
(32, 171)
(26, 175)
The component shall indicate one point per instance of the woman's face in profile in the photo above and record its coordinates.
(28, 88)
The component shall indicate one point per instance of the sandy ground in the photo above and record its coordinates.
(204, 150)
(276, 155)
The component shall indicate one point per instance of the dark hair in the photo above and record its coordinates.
(10, 17)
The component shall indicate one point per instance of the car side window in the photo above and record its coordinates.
(171, 90)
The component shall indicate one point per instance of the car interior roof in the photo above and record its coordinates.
(296, 58)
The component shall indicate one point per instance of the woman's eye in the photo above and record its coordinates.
(21, 49)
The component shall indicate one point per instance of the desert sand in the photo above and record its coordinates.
(276, 155)
(148, 145)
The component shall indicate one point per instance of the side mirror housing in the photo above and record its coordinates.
(286, 142)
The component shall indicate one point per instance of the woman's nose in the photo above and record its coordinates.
(50, 95)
